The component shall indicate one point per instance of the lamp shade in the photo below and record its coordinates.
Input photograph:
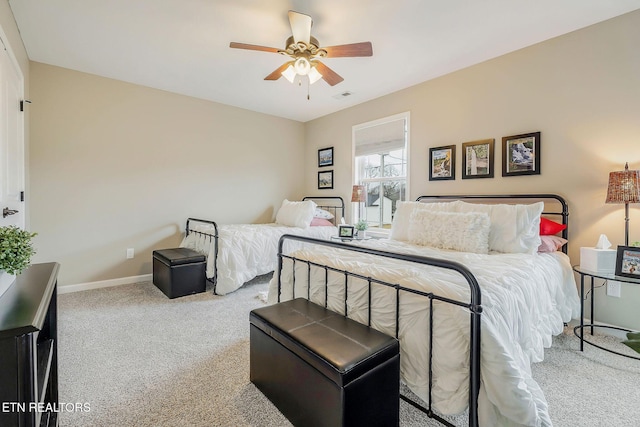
(624, 186)
(358, 194)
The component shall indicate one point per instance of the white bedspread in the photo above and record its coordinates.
(245, 250)
(526, 299)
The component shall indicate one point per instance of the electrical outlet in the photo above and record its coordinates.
(129, 253)
(613, 288)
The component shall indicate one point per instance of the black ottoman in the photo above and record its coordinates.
(179, 271)
(321, 369)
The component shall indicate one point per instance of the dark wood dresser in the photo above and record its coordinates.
(28, 349)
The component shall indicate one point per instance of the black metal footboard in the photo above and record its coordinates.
(473, 305)
(211, 238)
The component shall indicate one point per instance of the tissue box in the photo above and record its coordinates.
(600, 260)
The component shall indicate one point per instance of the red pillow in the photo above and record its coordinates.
(549, 228)
(320, 222)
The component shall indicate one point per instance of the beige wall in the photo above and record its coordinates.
(581, 90)
(117, 166)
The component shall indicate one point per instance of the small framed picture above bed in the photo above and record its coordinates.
(477, 159)
(325, 180)
(521, 154)
(325, 157)
(628, 261)
(442, 163)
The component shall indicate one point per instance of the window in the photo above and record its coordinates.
(381, 163)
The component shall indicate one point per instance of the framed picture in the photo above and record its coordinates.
(325, 157)
(628, 261)
(346, 231)
(521, 154)
(325, 179)
(477, 160)
(442, 163)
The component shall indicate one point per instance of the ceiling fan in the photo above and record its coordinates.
(305, 52)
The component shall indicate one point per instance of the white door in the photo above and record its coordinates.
(11, 141)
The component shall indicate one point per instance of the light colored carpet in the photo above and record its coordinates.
(140, 359)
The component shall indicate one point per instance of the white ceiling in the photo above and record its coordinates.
(182, 46)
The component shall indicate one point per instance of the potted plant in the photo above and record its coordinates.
(361, 226)
(16, 250)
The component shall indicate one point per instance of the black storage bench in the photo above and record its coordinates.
(179, 271)
(320, 368)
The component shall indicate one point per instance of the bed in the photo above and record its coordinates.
(236, 253)
(469, 323)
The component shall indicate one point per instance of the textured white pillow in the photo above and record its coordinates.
(464, 232)
(296, 214)
(514, 228)
(404, 210)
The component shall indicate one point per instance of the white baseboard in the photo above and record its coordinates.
(104, 284)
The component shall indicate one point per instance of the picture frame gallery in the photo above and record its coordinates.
(520, 156)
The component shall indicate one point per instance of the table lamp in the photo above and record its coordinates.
(358, 195)
(624, 187)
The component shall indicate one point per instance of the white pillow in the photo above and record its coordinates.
(514, 228)
(404, 210)
(296, 214)
(321, 213)
(465, 232)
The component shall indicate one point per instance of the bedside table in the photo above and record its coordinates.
(604, 276)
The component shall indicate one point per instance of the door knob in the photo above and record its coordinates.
(6, 212)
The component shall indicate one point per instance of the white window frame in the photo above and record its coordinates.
(356, 178)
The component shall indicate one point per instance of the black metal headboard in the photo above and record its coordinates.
(333, 204)
(554, 205)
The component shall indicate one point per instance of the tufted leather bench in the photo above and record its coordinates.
(179, 271)
(320, 368)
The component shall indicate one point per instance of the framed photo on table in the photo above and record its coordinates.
(628, 261)
(521, 154)
(346, 231)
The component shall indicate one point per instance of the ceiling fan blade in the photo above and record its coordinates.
(349, 50)
(328, 74)
(300, 26)
(278, 72)
(253, 47)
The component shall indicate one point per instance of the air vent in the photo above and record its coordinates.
(343, 95)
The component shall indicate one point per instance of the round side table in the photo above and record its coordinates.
(579, 330)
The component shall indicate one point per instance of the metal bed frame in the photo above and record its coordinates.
(337, 209)
(474, 305)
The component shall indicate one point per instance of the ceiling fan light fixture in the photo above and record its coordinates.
(302, 66)
(290, 73)
(314, 75)
(304, 52)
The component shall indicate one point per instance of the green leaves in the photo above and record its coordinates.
(16, 249)
(633, 341)
(362, 225)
